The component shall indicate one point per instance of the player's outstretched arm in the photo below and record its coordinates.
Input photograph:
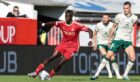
(90, 36)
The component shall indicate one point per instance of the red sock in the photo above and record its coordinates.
(39, 68)
(52, 73)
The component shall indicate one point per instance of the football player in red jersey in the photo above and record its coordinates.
(69, 43)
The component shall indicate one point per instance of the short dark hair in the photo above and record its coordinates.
(16, 7)
(106, 14)
(69, 12)
(127, 3)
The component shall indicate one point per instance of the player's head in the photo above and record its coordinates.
(105, 18)
(127, 8)
(16, 9)
(68, 15)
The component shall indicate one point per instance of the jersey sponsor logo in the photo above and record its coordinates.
(69, 33)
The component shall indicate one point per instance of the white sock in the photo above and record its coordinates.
(128, 68)
(116, 68)
(108, 69)
(101, 66)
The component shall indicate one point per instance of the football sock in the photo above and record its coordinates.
(39, 68)
(52, 73)
(108, 69)
(115, 67)
(102, 65)
(128, 67)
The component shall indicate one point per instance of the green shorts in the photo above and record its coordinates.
(103, 46)
(116, 44)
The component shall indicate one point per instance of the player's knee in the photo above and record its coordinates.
(113, 57)
(132, 58)
(109, 54)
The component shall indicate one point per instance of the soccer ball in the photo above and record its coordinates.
(44, 75)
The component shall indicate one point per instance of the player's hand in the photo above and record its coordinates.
(90, 43)
(95, 47)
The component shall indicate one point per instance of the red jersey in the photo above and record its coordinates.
(70, 32)
(70, 40)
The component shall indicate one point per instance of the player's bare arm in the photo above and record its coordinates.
(95, 40)
(90, 36)
(111, 33)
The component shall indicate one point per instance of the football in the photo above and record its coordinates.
(44, 75)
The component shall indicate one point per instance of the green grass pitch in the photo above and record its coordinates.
(23, 78)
